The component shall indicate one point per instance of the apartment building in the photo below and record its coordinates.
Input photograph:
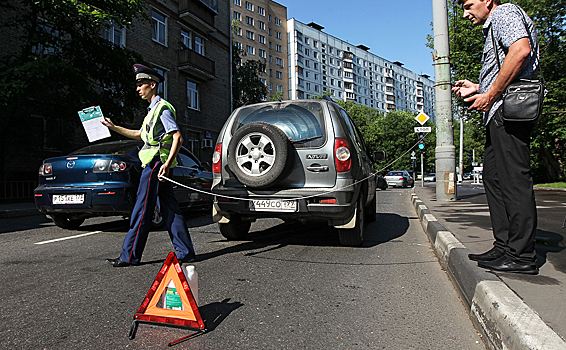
(188, 42)
(321, 63)
(262, 35)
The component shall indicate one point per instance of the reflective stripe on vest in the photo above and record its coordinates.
(151, 146)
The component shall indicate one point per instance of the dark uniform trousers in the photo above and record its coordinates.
(140, 222)
(509, 187)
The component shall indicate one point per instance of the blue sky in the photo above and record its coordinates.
(395, 29)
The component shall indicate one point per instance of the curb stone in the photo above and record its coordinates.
(505, 321)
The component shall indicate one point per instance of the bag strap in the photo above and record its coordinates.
(539, 71)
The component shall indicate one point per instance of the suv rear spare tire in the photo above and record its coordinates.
(259, 154)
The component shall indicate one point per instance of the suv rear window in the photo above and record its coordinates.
(302, 122)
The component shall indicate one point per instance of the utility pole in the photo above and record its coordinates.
(445, 150)
(461, 165)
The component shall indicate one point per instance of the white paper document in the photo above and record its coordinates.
(91, 118)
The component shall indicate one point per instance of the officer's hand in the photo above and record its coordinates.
(163, 172)
(107, 122)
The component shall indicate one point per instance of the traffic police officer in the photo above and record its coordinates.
(162, 141)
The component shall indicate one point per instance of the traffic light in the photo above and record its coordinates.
(421, 140)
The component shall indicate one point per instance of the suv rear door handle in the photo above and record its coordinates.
(317, 168)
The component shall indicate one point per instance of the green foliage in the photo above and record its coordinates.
(246, 82)
(64, 64)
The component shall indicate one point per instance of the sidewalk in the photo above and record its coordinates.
(513, 311)
(15, 210)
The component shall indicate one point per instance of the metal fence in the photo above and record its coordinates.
(17, 189)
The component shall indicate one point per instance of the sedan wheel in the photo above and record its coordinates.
(66, 221)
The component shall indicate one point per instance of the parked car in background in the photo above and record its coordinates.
(430, 177)
(467, 176)
(270, 155)
(399, 178)
(102, 180)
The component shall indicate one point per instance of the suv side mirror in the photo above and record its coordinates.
(379, 156)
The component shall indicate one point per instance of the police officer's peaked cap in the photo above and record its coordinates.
(143, 72)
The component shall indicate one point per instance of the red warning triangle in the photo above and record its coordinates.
(185, 314)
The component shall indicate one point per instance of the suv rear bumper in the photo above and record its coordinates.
(337, 213)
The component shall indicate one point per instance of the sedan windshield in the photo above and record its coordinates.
(120, 147)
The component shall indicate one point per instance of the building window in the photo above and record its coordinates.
(278, 35)
(249, 20)
(162, 87)
(238, 2)
(278, 48)
(269, 18)
(261, 11)
(192, 95)
(261, 53)
(263, 81)
(279, 88)
(307, 40)
(238, 31)
(277, 21)
(237, 16)
(186, 39)
(158, 27)
(115, 35)
(261, 25)
(261, 39)
(199, 45)
(279, 62)
(249, 35)
(239, 45)
(249, 6)
(250, 49)
(279, 75)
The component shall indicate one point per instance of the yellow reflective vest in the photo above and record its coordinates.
(151, 145)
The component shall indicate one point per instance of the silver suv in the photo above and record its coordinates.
(300, 159)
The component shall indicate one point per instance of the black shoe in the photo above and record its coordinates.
(506, 264)
(187, 260)
(118, 262)
(490, 255)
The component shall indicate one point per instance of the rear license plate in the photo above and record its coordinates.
(273, 205)
(68, 198)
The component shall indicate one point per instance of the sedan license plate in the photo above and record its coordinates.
(273, 205)
(68, 198)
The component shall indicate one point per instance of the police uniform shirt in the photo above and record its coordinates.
(165, 123)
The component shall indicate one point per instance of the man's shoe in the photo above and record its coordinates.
(506, 264)
(118, 262)
(187, 260)
(490, 255)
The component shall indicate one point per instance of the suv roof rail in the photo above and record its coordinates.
(326, 97)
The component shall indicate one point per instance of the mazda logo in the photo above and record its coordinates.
(70, 164)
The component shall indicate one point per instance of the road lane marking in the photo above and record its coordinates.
(70, 237)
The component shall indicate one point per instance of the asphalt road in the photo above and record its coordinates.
(290, 286)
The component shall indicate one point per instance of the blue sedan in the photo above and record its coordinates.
(102, 180)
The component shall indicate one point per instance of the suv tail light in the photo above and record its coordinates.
(342, 155)
(217, 159)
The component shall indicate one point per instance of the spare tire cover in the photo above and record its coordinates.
(259, 154)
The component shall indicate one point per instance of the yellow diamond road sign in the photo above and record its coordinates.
(422, 118)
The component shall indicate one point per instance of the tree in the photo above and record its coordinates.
(62, 64)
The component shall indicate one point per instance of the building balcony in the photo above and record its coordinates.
(198, 14)
(390, 106)
(196, 65)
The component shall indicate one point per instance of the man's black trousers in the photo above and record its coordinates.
(508, 185)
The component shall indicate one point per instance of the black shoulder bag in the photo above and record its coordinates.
(523, 98)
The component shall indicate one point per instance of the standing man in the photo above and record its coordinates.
(162, 141)
(506, 171)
